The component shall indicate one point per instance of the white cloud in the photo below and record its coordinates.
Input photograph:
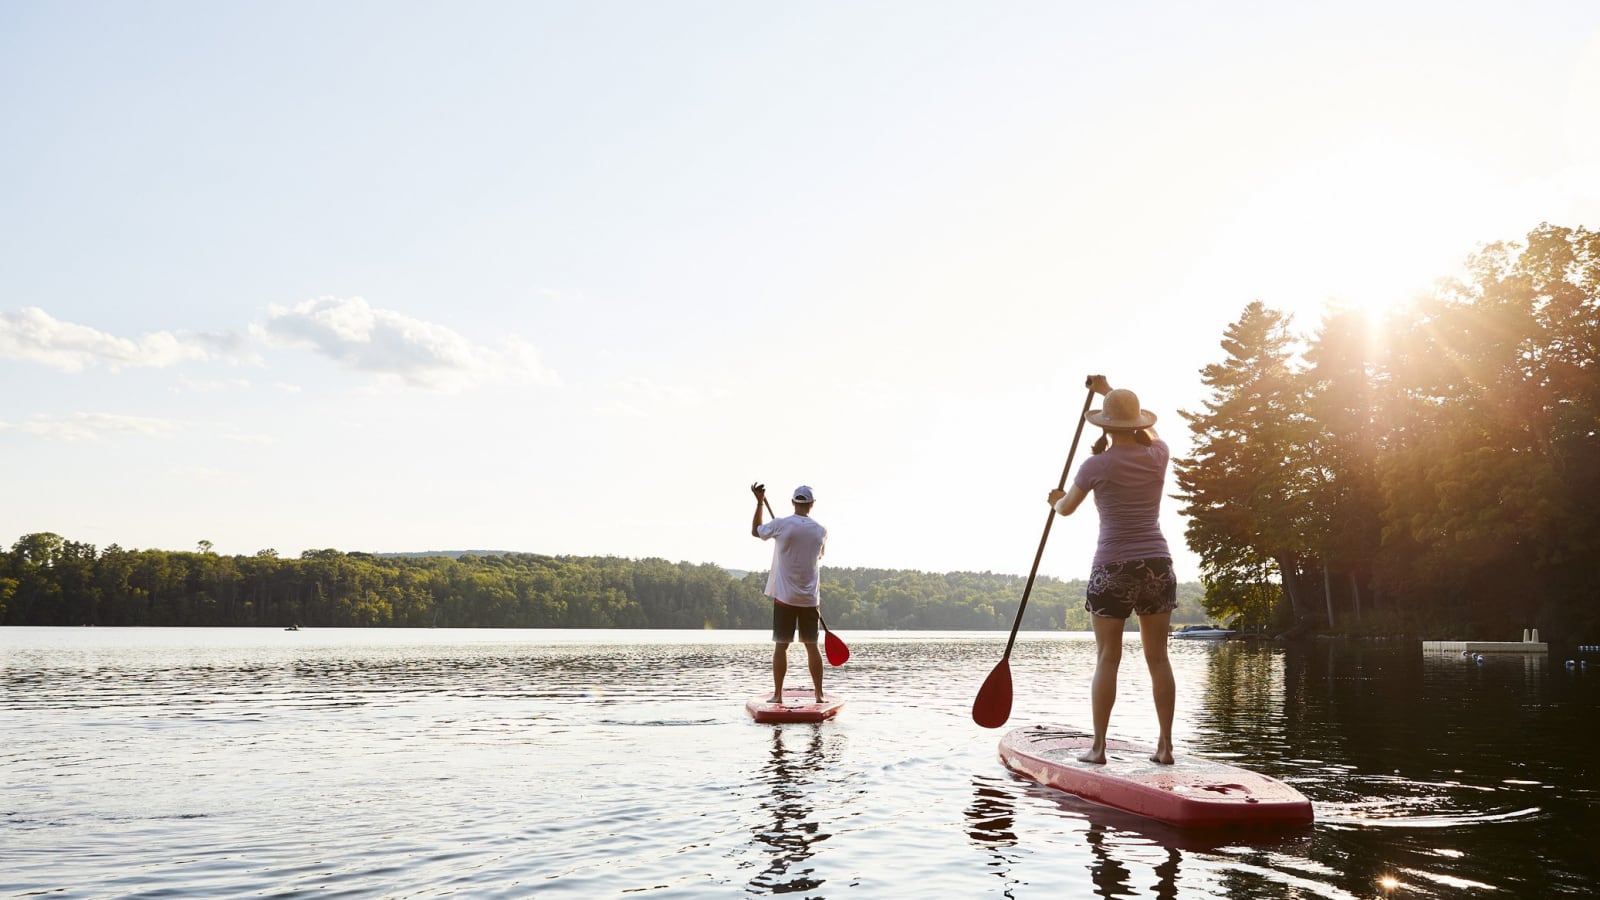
(91, 426)
(34, 335)
(249, 437)
(188, 385)
(388, 343)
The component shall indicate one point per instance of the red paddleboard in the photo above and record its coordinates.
(799, 705)
(1190, 793)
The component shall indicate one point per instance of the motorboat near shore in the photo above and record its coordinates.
(1203, 633)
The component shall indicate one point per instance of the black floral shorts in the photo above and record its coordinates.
(1144, 586)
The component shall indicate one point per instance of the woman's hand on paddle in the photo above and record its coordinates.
(1074, 498)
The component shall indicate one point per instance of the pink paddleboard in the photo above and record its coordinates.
(1190, 793)
(799, 705)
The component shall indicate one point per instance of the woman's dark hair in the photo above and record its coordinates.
(1140, 437)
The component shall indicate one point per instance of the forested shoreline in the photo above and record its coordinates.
(1432, 471)
(46, 579)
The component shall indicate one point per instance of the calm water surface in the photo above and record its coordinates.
(396, 763)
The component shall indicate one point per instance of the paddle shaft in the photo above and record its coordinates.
(1066, 471)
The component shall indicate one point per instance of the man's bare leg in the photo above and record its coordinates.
(1103, 688)
(780, 668)
(814, 662)
(1153, 635)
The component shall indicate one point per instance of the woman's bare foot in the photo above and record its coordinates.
(819, 697)
(1095, 755)
(1163, 755)
(775, 699)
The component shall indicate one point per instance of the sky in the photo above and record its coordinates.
(567, 278)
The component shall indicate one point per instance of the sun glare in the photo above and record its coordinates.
(1368, 227)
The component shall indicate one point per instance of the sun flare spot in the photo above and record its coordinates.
(1366, 226)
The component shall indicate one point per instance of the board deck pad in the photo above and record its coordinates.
(1191, 793)
(799, 705)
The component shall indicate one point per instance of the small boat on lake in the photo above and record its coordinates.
(1203, 633)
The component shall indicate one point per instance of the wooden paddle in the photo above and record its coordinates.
(838, 653)
(992, 707)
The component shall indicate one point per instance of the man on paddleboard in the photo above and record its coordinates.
(793, 582)
(1132, 570)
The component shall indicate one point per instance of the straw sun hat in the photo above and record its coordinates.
(1121, 412)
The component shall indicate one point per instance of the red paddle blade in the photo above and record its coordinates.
(838, 653)
(993, 706)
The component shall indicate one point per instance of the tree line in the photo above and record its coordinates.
(1434, 472)
(46, 579)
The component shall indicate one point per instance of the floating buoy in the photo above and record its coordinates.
(1480, 657)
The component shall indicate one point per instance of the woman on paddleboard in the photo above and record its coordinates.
(1132, 571)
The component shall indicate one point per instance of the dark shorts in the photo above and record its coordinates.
(786, 617)
(1143, 586)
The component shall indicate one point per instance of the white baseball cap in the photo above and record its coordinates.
(804, 494)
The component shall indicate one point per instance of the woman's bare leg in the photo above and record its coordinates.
(1153, 635)
(1103, 689)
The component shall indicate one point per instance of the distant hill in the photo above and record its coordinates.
(736, 574)
(50, 580)
(451, 554)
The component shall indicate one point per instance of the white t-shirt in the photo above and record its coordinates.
(793, 578)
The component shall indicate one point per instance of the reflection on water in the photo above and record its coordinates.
(793, 830)
(213, 763)
(1109, 875)
(991, 820)
(1452, 770)
(1114, 879)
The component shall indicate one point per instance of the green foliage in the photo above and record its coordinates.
(1248, 485)
(47, 580)
(1438, 470)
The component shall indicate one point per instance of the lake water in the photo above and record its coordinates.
(510, 763)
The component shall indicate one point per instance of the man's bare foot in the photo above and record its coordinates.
(1098, 757)
(1163, 755)
(819, 697)
(775, 699)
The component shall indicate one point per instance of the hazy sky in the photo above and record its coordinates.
(566, 277)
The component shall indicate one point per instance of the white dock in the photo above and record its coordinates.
(1485, 647)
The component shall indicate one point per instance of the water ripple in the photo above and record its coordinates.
(201, 764)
